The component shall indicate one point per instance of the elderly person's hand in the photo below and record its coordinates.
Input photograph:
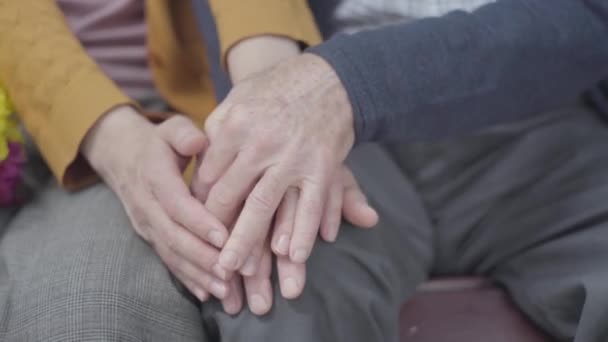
(345, 199)
(248, 58)
(143, 164)
(289, 128)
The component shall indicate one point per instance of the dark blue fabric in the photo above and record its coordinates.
(206, 24)
(442, 77)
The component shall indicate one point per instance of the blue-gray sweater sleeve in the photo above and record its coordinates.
(440, 77)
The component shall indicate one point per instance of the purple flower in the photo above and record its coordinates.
(11, 172)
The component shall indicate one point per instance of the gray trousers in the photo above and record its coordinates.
(525, 204)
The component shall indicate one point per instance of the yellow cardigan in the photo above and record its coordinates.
(60, 92)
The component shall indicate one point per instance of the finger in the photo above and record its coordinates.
(198, 292)
(355, 209)
(250, 267)
(330, 224)
(258, 287)
(308, 219)
(192, 215)
(216, 160)
(170, 190)
(180, 241)
(229, 192)
(234, 302)
(182, 135)
(292, 277)
(198, 279)
(254, 221)
(283, 222)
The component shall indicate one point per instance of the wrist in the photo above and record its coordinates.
(113, 132)
(335, 101)
(257, 54)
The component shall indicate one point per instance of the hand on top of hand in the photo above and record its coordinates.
(276, 147)
(277, 144)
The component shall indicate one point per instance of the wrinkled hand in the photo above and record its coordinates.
(143, 164)
(345, 199)
(290, 127)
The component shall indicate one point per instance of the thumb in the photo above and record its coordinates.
(357, 211)
(355, 208)
(183, 136)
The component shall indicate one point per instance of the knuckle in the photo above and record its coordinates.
(234, 122)
(203, 280)
(204, 180)
(312, 207)
(207, 255)
(222, 196)
(283, 227)
(243, 241)
(260, 201)
(306, 236)
(175, 208)
(208, 263)
(170, 207)
(171, 242)
(264, 143)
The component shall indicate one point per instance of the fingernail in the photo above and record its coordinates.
(220, 272)
(200, 294)
(219, 289)
(229, 260)
(231, 306)
(250, 266)
(217, 238)
(258, 304)
(290, 288)
(282, 245)
(333, 236)
(299, 255)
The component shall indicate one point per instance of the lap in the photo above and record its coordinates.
(527, 206)
(519, 205)
(75, 270)
(355, 286)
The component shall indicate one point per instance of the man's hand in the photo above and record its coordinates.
(291, 127)
(143, 164)
(250, 56)
(345, 200)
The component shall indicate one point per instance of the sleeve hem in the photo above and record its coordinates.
(354, 84)
(240, 20)
(86, 98)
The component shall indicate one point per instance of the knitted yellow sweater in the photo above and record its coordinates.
(60, 92)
